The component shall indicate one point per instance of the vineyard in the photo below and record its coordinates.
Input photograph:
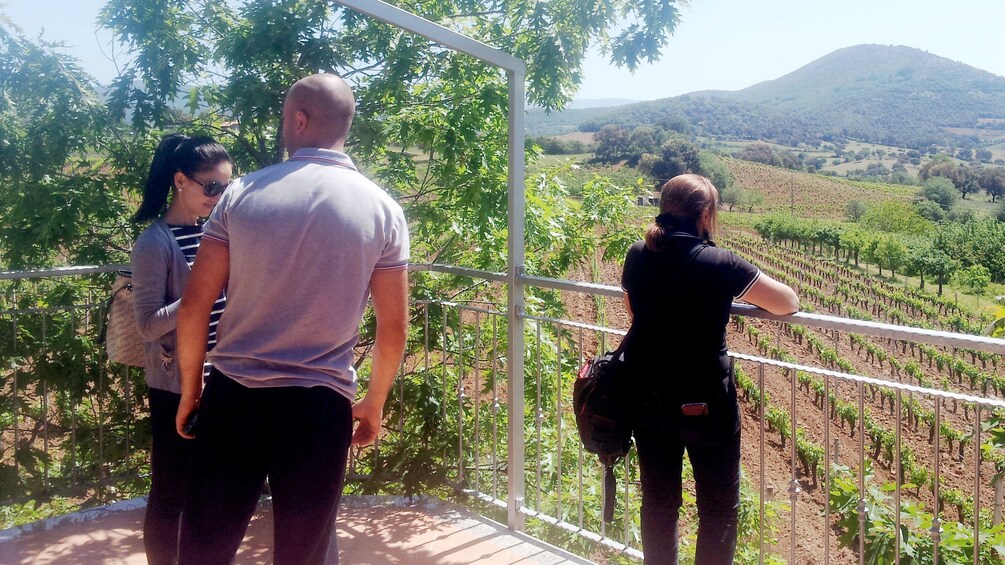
(808, 195)
(898, 436)
(937, 454)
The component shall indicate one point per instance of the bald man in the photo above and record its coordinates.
(300, 247)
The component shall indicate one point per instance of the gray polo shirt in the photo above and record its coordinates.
(304, 238)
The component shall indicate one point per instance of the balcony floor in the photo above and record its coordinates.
(371, 531)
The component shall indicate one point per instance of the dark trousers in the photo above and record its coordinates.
(297, 437)
(170, 465)
(716, 467)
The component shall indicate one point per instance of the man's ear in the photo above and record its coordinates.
(300, 120)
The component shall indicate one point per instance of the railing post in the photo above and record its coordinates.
(997, 515)
(515, 302)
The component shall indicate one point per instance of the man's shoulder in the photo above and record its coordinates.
(266, 172)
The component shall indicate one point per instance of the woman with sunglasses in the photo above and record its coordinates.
(193, 172)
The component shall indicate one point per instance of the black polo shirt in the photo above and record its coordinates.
(681, 299)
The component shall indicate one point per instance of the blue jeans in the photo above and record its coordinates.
(716, 465)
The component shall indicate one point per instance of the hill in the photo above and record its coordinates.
(886, 94)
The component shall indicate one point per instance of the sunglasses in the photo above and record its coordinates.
(211, 188)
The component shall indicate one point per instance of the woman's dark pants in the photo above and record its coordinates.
(170, 464)
(717, 477)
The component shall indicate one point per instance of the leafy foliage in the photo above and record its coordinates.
(676, 157)
(431, 127)
(956, 540)
(56, 201)
(763, 153)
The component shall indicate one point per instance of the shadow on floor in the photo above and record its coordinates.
(371, 531)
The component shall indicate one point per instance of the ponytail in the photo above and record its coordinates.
(176, 152)
(160, 179)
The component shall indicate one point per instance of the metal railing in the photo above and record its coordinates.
(813, 423)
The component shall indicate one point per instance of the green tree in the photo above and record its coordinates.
(761, 152)
(828, 235)
(993, 182)
(939, 190)
(712, 167)
(892, 254)
(751, 200)
(870, 252)
(55, 197)
(942, 165)
(894, 217)
(853, 241)
(677, 157)
(854, 210)
(975, 278)
(941, 267)
(916, 261)
(613, 144)
(412, 94)
(975, 242)
(971, 185)
(645, 139)
(732, 196)
(930, 210)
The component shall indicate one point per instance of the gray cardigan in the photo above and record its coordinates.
(160, 273)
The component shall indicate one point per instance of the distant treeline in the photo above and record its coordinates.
(558, 146)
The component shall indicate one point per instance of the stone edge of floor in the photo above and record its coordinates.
(11, 534)
(348, 501)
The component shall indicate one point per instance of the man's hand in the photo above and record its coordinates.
(186, 408)
(370, 414)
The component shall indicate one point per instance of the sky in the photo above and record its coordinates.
(718, 45)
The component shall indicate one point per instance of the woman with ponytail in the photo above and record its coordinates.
(187, 176)
(679, 288)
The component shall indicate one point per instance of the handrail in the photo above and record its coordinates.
(820, 321)
(70, 271)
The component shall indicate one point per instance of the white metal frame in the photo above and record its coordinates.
(516, 70)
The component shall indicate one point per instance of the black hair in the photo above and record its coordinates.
(176, 152)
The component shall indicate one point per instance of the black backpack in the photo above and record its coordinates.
(602, 416)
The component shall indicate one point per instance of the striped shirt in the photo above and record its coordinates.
(189, 238)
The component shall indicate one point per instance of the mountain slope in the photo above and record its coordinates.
(873, 90)
(892, 94)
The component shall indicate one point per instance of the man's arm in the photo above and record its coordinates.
(389, 292)
(208, 279)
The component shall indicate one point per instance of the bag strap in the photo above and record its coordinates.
(610, 493)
